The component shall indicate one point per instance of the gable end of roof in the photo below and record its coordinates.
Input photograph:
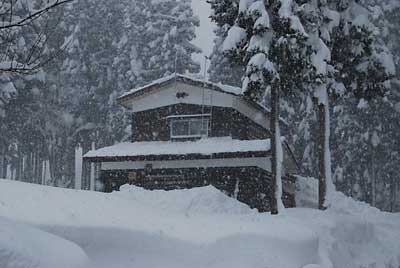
(179, 78)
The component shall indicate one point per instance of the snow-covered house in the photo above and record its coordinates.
(188, 133)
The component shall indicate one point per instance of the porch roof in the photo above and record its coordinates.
(208, 146)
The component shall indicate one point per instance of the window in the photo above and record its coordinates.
(189, 127)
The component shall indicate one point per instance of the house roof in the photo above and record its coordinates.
(189, 79)
(182, 78)
(221, 147)
(207, 146)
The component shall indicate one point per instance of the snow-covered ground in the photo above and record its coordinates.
(188, 228)
(22, 246)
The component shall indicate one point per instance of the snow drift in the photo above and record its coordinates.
(22, 246)
(202, 227)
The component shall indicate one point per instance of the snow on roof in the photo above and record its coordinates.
(204, 146)
(180, 77)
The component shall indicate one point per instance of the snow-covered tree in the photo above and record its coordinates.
(222, 69)
(270, 38)
(336, 53)
(22, 41)
(366, 158)
(348, 59)
(365, 161)
(25, 32)
(106, 50)
(166, 30)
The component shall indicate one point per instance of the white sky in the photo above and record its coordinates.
(204, 34)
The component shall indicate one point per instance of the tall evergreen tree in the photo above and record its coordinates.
(222, 69)
(166, 30)
(271, 40)
(346, 59)
(24, 109)
(364, 164)
(339, 46)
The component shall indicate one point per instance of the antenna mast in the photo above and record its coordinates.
(211, 97)
(175, 76)
(203, 99)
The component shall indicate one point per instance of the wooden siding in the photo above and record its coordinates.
(153, 125)
(254, 184)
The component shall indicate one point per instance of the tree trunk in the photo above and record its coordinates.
(321, 155)
(274, 156)
(373, 182)
(396, 185)
(18, 167)
(2, 163)
(391, 195)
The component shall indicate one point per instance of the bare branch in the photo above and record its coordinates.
(35, 57)
(34, 15)
(30, 68)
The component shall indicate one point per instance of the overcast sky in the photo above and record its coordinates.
(204, 33)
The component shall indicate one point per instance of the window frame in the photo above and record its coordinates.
(189, 119)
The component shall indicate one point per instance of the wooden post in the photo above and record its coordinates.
(92, 171)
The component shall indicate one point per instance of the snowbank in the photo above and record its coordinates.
(203, 200)
(22, 246)
(204, 228)
(352, 234)
(197, 228)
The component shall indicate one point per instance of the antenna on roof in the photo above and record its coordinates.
(175, 75)
(211, 98)
(176, 62)
(203, 97)
(208, 128)
(205, 68)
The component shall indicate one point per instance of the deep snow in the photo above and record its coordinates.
(194, 228)
(22, 246)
